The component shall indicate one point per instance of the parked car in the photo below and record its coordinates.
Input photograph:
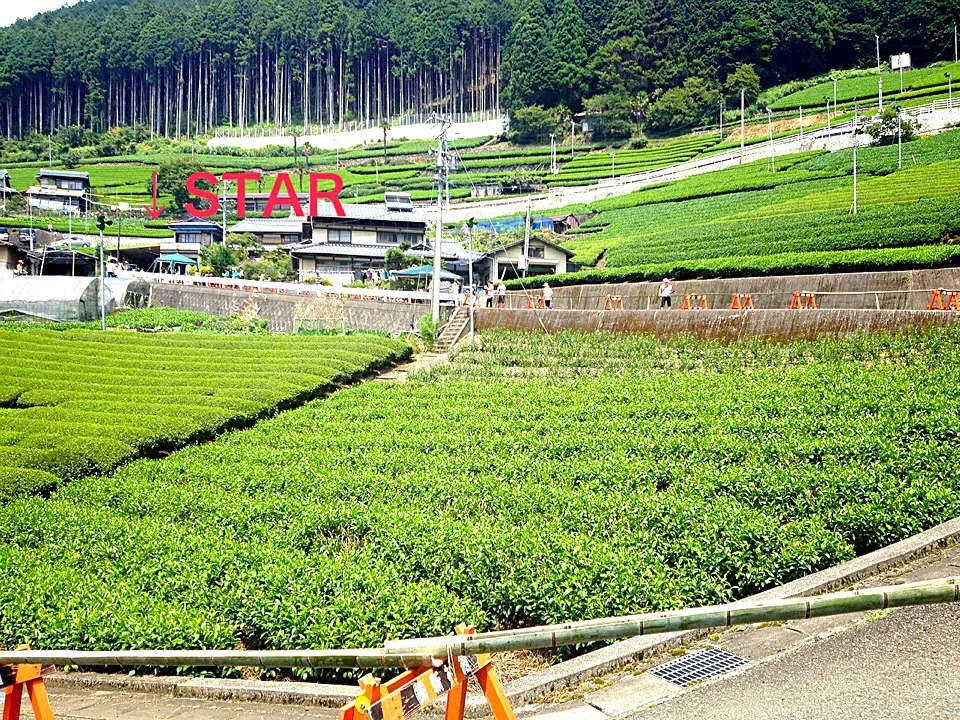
(4, 235)
(28, 235)
(72, 241)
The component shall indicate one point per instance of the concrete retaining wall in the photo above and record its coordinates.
(892, 290)
(281, 310)
(728, 325)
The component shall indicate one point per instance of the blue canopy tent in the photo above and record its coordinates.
(174, 263)
(425, 272)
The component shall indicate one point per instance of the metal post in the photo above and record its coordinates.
(827, 100)
(834, 95)
(30, 213)
(801, 127)
(742, 122)
(955, 43)
(878, 52)
(103, 302)
(613, 165)
(773, 161)
(572, 133)
(880, 94)
(949, 78)
(901, 75)
(721, 121)
(443, 169)
(854, 158)
(899, 140)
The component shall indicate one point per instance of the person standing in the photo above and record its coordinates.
(502, 294)
(666, 293)
(548, 296)
(488, 293)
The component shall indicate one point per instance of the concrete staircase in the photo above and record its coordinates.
(453, 330)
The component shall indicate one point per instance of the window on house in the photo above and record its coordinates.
(190, 237)
(385, 237)
(293, 238)
(339, 235)
(536, 251)
(411, 238)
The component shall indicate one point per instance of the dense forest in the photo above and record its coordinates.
(183, 67)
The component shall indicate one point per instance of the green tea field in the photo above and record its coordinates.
(76, 402)
(532, 480)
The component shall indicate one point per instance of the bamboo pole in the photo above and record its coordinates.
(424, 651)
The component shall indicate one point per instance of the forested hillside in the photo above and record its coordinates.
(182, 67)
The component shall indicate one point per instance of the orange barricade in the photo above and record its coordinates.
(410, 692)
(535, 302)
(739, 301)
(14, 679)
(694, 302)
(804, 301)
(613, 302)
(937, 296)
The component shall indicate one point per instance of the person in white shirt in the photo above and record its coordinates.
(548, 295)
(666, 293)
(501, 293)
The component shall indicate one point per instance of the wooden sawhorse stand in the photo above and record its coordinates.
(413, 690)
(14, 679)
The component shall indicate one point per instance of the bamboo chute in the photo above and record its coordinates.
(423, 652)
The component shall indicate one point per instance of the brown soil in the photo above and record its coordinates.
(779, 126)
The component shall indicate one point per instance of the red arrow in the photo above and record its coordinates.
(155, 211)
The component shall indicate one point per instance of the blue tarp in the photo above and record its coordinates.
(505, 224)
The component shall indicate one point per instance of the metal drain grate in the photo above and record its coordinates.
(698, 665)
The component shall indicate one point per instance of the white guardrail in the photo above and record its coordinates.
(296, 289)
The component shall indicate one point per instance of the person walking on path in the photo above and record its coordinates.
(502, 294)
(666, 293)
(548, 296)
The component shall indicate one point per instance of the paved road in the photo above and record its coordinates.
(903, 667)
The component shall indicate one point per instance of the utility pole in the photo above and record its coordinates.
(721, 121)
(949, 78)
(834, 95)
(826, 99)
(955, 42)
(573, 132)
(613, 165)
(743, 93)
(443, 171)
(773, 162)
(526, 239)
(470, 223)
(801, 127)
(854, 157)
(224, 183)
(553, 155)
(901, 73)
(880, 93)
(878, 52)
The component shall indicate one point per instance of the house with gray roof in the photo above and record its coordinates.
(60, 191)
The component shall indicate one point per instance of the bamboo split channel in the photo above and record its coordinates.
(423, 652)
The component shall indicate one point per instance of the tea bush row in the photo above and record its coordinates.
(77, 402)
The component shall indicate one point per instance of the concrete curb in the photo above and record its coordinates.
(535, 685)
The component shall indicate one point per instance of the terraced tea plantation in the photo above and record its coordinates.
(79, 402)
(532, 480)
(748, 220)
